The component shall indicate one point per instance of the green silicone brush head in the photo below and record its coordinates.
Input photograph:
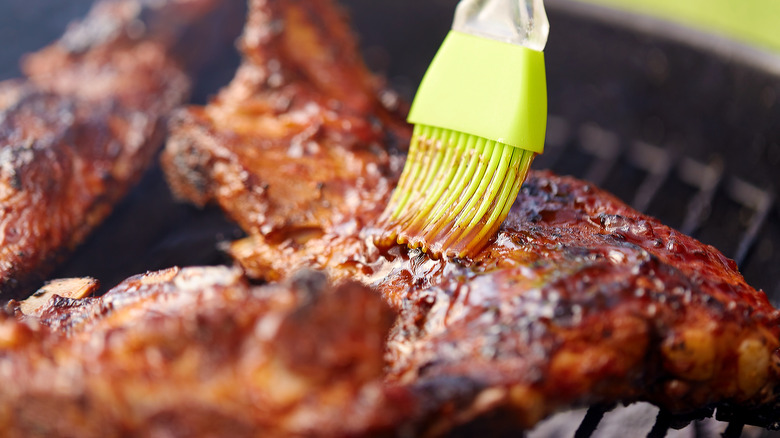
(480, 117)
(455, 192)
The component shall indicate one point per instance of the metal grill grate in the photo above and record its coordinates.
(643, 419)
(699, 199)
(680, 191)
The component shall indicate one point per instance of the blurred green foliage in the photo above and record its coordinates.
(755, 22)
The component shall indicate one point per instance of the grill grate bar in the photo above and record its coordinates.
(604, 146)
(734, 430)
(698, 430)
(707, 179)
(662, 424)
(751, 235)
(591, 421)
(600, 420)
(758, 200)
(658, 163)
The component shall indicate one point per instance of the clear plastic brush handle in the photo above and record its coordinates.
(521, 22)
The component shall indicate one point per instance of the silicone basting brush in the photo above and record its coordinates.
(480, 117)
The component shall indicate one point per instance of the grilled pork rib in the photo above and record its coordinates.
(302, 142)
(84, 124)
(198, 352)
(579, 299)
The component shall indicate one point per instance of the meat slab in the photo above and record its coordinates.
(577, 300)
(200, 352)
(87, 120)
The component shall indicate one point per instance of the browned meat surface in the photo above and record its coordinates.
(198, 352)
(300, 143)
(579, 299)
(82, 127)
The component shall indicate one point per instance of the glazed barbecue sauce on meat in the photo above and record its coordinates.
(199, 352)
(77, 133)
(577, 300)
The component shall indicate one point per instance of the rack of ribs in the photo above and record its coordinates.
(578, 299)
(200, 352)
(89, 117)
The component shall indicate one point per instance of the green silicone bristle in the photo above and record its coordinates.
(454, 212)
(480, 117)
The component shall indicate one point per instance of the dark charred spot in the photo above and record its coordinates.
(458, 390)
(58, 302)
(309, 284)
(15, 181)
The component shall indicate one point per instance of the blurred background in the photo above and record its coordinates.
(673, 106)
(755, 22)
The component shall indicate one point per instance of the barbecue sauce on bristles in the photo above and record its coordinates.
(452, 214)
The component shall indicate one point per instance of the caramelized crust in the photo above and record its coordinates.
(198, 352)
(300, 139)
(582, 300)
(577, 300)
(82, 127)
